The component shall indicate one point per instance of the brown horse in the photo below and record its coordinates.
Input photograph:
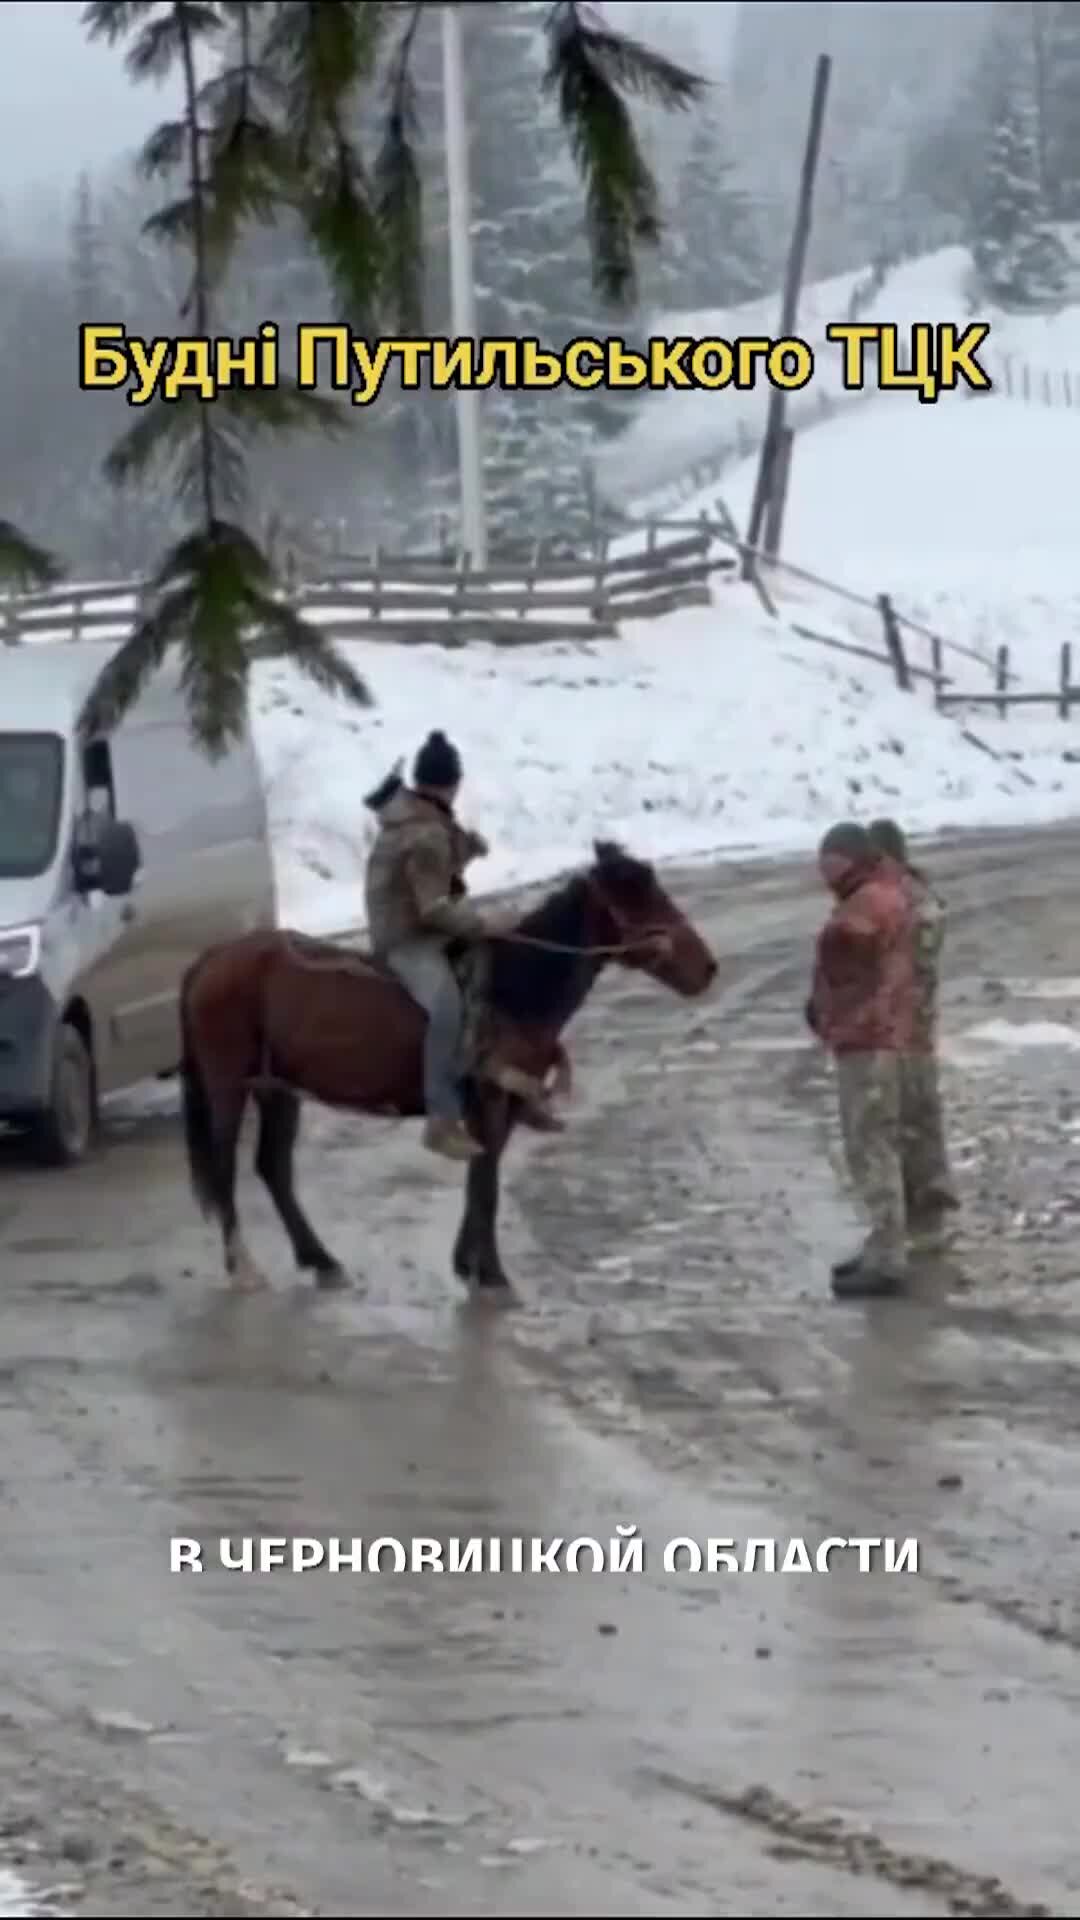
(280, 1016)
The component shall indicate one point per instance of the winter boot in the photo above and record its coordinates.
(867, 1277)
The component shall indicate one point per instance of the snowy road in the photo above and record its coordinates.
(659, 1744)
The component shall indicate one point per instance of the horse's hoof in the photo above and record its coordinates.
(244, 1275)
(496, 1288)
(331, 1279)
(247, 1278)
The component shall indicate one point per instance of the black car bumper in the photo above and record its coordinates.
(27, 1033)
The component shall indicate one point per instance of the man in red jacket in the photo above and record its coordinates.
(863, 1007)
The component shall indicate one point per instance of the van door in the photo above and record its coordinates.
(124, 982)
(208, 867)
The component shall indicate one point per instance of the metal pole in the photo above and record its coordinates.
(462, 286)
(789, 306)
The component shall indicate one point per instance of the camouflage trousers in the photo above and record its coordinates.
(928, 1186)
(893, 1136)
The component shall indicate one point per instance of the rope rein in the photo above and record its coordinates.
(613, 951)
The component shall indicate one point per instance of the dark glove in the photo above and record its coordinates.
(810, 1016)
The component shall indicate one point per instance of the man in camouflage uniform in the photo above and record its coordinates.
(929, 1190)
(862, 1008)
(416, 912)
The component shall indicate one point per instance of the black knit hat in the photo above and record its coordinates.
(438, 763)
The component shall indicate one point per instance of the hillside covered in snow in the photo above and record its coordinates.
(676, 428)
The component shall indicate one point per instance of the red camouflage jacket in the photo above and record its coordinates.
(864, 997)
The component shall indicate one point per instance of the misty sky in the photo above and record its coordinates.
(68, 104)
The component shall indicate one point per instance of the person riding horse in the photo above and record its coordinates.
(417, 914)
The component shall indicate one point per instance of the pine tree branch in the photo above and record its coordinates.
(248, 167)
(633, 67)
(160, 44)
(173, 223)
(166, 437)
(200, 290)
(134, 664)
(23, 564)
(214, 600)
(320, 52)
(110, 20)
(163, 149)
(344, 229)
(587, 67)
(155, 439)
(214, 594)
(398, 191)
(188, 441)
(311, 649)
(281, 409)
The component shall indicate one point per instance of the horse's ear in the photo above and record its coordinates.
(605, 852)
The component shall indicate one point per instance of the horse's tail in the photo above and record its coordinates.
(198, 1114)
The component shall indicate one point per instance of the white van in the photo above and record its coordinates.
(120, 861)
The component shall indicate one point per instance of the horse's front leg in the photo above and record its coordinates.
(476, 1250)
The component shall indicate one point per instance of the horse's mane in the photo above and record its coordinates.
(534, 983)
(548, 984)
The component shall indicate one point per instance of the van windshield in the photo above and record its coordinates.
(31, 790)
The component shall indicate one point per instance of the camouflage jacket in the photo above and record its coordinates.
(929, 941)
(413, 885)
(863, 998)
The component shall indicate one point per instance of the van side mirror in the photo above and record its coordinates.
(108, 859)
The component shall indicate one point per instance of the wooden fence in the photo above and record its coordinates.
(418, 600)
(1017, 379)
(896, 628)
(1063, 698)
(422, 601)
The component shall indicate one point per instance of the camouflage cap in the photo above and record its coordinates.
(849, 841)
(887, 836)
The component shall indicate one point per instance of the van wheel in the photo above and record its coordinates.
(61, 1137)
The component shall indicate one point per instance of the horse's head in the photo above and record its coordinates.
(635, 916)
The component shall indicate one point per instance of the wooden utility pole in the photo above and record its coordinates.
(778, 491)
(789, 312)
(1036, 14)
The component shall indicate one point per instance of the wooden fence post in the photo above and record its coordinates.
(777, 501)
(1065, 680)
(534, 569)
(1001, 681)
(894, 642)
(937, 667)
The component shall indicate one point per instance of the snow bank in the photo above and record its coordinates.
(976, 494)
(967, 516)
(17, 1900)
(709, 731)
